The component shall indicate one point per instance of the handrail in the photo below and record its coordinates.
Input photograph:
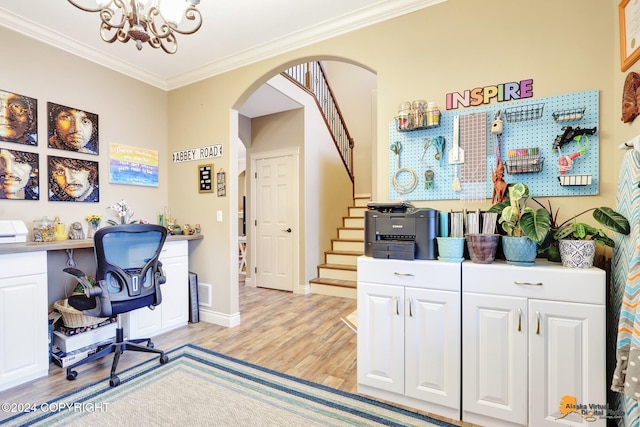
(312, 78)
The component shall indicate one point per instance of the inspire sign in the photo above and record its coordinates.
(483, 95)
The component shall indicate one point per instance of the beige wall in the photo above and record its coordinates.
(355, 88)
(129, 112)
(565, 46)
(424, 55)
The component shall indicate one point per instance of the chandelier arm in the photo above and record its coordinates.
(168, 44)
(95, 8)
(191, 14)
(107, 16)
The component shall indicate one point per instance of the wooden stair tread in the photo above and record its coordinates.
(334, 282)
(354, 253)
(339, 266)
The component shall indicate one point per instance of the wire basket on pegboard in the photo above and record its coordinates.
(568, 115)
(524, 113)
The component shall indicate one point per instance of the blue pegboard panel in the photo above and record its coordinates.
(522, 130)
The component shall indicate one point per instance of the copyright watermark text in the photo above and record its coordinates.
(21, 407)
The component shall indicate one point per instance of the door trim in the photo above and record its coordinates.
(298, 245)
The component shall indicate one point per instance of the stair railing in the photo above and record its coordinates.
(312, 78)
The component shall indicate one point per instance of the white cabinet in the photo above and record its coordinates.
(173, 312)
(24, 352)
(533, 337)
(409, 333)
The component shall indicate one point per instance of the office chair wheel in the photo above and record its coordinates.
(72, 375)
(164, 359)
(114, 381)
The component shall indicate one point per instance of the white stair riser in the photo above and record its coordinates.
(353, 222)
(342, 259)
(357, 211)
(334, 291)
(361, 201)
(344, 245)
(348, 233)
(331, 273)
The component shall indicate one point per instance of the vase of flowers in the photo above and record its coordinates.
(125, 215)
(93, 222)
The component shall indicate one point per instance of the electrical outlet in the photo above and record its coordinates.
(219, 216)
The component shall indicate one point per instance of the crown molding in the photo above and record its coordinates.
(382, 11)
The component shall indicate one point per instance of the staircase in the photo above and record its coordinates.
(337, 276)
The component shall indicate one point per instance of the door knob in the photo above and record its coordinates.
(288, 230)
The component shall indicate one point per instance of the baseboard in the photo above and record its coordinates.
(222, 319)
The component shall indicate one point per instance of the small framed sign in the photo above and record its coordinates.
(222, 183)
(205, 178)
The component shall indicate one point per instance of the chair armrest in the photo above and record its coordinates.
(89, 289)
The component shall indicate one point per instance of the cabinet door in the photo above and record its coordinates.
(494, 360)
(175, 292)
(145, 322)
(432, 346)
(24, 340)
(381, 336)
(566, 358)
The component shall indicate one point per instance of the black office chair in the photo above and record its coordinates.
(128, 277)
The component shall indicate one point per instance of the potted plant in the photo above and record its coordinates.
(577, 240)
(524, 226)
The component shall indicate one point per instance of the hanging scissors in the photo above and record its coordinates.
(426, 144)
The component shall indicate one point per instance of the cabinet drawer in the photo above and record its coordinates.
(173, 249)
(23, 264)
(418, 273)
(545, 280)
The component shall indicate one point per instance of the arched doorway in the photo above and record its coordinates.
(355, 90)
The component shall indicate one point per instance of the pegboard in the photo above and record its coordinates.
(523, 130)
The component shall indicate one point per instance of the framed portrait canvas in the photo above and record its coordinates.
(73, 180)
(18, 118)
(19, 175)
(72, 129)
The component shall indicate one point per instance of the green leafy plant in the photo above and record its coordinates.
(519, 219)
(614, 221)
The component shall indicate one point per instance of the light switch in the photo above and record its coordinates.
(219, 216)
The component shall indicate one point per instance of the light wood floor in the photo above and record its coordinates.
(300, 335)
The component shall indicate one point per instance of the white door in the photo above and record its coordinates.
(432, 346)
(381, 336)
(274, 222)
(567, 358)
(494, 360)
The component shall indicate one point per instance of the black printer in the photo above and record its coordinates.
(397, 230)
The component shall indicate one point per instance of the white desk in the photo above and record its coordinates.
(24, 302)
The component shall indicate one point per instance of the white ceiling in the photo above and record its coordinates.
(234, 33)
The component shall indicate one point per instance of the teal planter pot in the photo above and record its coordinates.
(519, 250)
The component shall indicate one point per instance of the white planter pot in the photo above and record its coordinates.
(577, 253)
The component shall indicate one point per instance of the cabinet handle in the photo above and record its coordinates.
(398, 306)
(519, 319)
(410, 307)
(527, 283)
(403, 274)
(538, 328)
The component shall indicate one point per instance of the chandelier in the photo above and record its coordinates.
(146, 21)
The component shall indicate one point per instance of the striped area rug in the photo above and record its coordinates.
(200, 387)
